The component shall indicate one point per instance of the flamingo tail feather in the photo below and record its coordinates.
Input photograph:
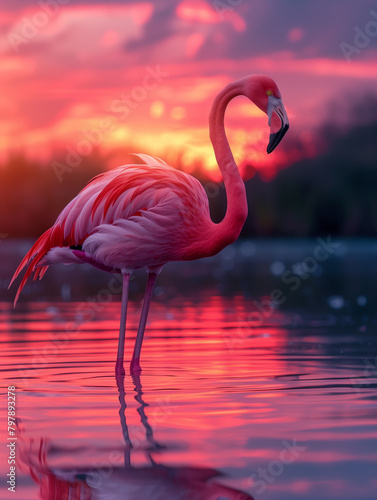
(31, 259)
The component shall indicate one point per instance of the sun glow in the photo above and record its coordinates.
(94, 55)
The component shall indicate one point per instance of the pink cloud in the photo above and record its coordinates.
(197, 10)
(295, 35)
(66, 79)
(200, 11)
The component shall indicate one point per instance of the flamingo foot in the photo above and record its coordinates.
(135, 368)
(119, 368)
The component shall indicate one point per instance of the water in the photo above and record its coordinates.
(277, 403)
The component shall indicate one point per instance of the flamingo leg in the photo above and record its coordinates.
(135, 362)
(119, 369)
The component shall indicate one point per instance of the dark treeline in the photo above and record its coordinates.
(334, 193)
(32, 195)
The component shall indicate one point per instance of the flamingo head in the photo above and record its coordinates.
(265, 94)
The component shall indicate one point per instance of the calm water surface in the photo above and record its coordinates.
(229, 405)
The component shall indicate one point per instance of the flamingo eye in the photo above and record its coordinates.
(269, 92)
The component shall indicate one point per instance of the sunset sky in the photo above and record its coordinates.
(146, 72)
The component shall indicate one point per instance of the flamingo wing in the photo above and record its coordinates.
(130, 217)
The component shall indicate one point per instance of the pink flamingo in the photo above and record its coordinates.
(147, 215)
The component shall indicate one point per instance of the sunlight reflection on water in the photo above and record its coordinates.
(283, 410)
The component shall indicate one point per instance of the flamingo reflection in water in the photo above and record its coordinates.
(119, 479)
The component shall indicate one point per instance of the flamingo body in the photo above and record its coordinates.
(130, 217)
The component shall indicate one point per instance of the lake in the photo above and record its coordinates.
(259, 378)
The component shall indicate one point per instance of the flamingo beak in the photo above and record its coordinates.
(277, 120)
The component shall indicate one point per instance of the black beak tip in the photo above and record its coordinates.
(276, 138)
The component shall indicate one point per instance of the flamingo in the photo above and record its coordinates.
(145, 215)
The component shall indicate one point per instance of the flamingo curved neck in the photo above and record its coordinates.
(228, 230)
